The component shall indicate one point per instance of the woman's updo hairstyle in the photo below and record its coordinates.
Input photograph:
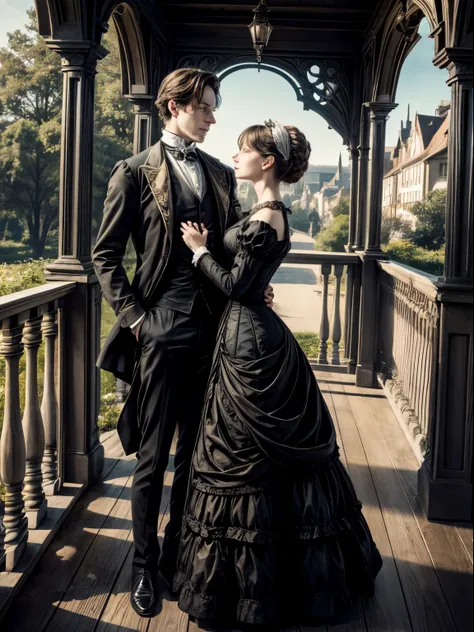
(260, 138)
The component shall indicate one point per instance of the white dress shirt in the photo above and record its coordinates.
(189, 172)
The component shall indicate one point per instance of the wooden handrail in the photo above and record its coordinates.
(28, 445)
(423, 282)
(318, 257)
(22, 302)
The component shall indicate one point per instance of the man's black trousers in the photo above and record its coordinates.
(174, 368)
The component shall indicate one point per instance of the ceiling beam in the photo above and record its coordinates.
(311, 26)
(290, 9)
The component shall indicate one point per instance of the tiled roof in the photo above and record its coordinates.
(438, 142)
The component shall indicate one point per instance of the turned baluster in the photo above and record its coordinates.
(336, 322)
(35, 501)
(49, 407)
(324, 328)
(12, 448)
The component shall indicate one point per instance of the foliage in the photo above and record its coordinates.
(113, 140)
(22, 276)
(299, 219)
(11, 228)
(341, 208)
(335, 236)
(30, 113)
(109, 409)
(393, 227)
(30, 134)
(430, 216)
(309, 342)
(423, 259)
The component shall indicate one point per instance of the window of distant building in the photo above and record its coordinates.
(443, 169)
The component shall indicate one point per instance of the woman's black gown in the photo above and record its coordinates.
(273, 530)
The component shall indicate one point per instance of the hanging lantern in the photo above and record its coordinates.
(260, 29)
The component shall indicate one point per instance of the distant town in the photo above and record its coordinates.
(415, 165)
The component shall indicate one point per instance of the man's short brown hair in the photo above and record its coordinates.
(185, 86)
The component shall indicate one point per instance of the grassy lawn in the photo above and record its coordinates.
(309, 342)
(16, 252)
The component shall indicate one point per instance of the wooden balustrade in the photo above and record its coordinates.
(334, 264)
(12, 447)
(408, 347)
(49, 406)
(33, 494)
(28, 444)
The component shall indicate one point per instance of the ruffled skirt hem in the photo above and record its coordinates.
(298, 554)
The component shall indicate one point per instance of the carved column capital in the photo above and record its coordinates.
(380, 110)
(458, 62)
(354, 153)
(78, 55)
(142, 103)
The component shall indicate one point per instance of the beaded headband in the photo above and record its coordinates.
(281, 137)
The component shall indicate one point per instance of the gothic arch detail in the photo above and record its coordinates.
(398, 38)
(135, 79)
(320, 85)
(59, 19)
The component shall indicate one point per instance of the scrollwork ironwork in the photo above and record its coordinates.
(320, 85)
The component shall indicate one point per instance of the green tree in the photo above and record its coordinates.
(30, 110)
(430, 216)
(394, 227)
(299, 219)
(30, 132)
(335, 236)
(113, 140)
(341, 208)
(406, 252)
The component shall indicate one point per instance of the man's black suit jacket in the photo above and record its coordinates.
(139, 204)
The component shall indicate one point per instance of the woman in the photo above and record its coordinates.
(273, 531)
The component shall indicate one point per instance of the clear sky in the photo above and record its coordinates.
(250, 97)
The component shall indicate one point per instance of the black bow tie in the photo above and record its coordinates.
(180, 154)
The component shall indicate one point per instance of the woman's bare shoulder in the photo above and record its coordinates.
(272, 217)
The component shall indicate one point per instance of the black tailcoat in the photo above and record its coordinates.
(139, 205)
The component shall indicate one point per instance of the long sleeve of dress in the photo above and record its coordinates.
(255, 242)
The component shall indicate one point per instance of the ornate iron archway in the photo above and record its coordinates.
(322, 86)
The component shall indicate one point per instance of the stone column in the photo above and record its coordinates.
(352, 298)
(368, 332)
(363, 178)
(79, 323)
(445, 479)
(143, 105)
(379, 112)
(354, 158)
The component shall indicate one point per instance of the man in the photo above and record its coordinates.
(164, 337)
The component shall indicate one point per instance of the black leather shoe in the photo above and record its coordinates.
(143, 595)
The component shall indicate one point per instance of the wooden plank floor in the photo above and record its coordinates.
(82, 583)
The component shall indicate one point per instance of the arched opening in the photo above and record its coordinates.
(319, 201)
(132, 51)
(122, 76)
(249, 98)
(416, 159)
